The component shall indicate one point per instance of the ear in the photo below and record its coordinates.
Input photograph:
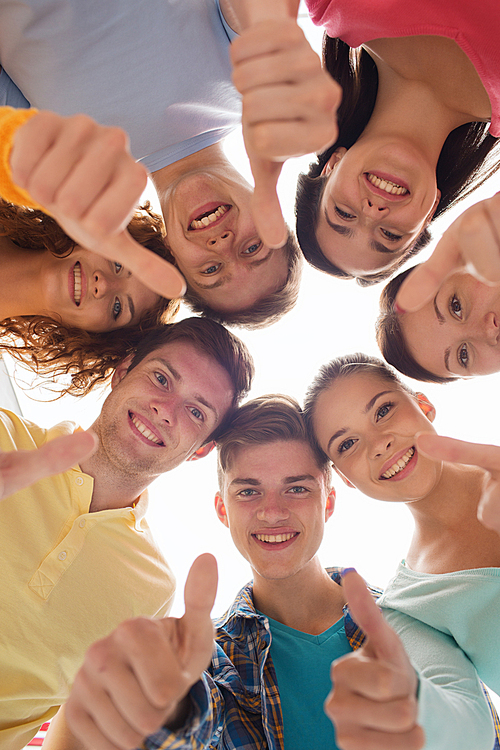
(426, 406)
(220, 509)
(202, 452)
(433, 209)
(121, 371)
(333, 160)
(344, 478)
(330, 503)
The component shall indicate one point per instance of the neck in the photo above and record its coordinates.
(448, 535)
(402, 108)
(20, 280)
(208, 159)
(308, 601)
(114, 486)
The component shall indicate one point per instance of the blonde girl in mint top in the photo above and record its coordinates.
(366, 421)
(421, 85)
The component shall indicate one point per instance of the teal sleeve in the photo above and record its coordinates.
(452, 708)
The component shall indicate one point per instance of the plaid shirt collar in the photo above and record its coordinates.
(243, 609)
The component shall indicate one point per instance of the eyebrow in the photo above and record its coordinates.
(374, 244)
(178, 378)
(131, 307)
(365, 411)
(287, 480)
(441, 319)
(228, 277)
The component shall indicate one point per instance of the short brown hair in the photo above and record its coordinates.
(214, 340)
(265, 311)
(344, 367)
(266, 419)
(390, 337)
(53, 349)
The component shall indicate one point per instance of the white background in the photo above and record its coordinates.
(332, 317)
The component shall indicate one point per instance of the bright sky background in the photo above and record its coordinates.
(332, 317)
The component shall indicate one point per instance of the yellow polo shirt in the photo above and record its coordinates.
(67, 578)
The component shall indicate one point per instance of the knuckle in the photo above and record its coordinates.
(384, 682)
(114, 139)
(405, 714)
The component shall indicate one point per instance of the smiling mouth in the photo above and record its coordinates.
(145, 431)
(210, 217)
(386, 185)
(399, 465)
(77, 283)
(275, 538)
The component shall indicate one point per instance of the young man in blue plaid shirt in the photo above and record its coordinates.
(269, 672)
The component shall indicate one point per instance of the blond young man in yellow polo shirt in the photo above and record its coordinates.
(77, 554)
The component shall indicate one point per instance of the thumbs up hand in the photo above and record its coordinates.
(83, 175)
(289, 102)
(373, 703)
(134, 681)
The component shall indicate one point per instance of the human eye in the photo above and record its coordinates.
(383, 410)
(456, 307)
(248, 492)
(118, 267)
(211, 269)
(253, 248)
(197, 413)
(343, 214)
(391, 236)
(117, 308)
(463, 356)
(298, 490)
(160, 377)
(345, 445)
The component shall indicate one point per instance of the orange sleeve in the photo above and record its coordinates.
(10, 120)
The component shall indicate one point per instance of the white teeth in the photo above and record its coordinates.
(399, 465)
(144, 431)
(387, 185)
(77, 281)
(275, 538)
(209, 219)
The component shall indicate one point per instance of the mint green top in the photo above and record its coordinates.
(302, 663)
(464, 604)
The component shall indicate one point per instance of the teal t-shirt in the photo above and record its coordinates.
(302, 663)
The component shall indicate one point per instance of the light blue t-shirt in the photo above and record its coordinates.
(159, 69)
(302, 663)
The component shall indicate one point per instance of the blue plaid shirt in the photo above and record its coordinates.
(236, 703)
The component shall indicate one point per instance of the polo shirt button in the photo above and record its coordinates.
(79, 481)
(62, 555)
(81, 523)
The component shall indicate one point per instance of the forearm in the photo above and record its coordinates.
(452, 708)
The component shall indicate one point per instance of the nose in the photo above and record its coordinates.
(101, 284)
(272, 509)
(165, 409)
(490, 329)
(374, 207)
(222, 240)
(380, 444)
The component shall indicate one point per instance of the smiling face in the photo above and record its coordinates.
(275, 502)
(89, 292)
(458, 332)
(213, 239)
(377, 200)
(367, 426)
(163, 410)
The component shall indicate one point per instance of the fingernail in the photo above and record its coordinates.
(397, 308)
(348, 570)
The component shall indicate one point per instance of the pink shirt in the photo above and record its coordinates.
(474, 26)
